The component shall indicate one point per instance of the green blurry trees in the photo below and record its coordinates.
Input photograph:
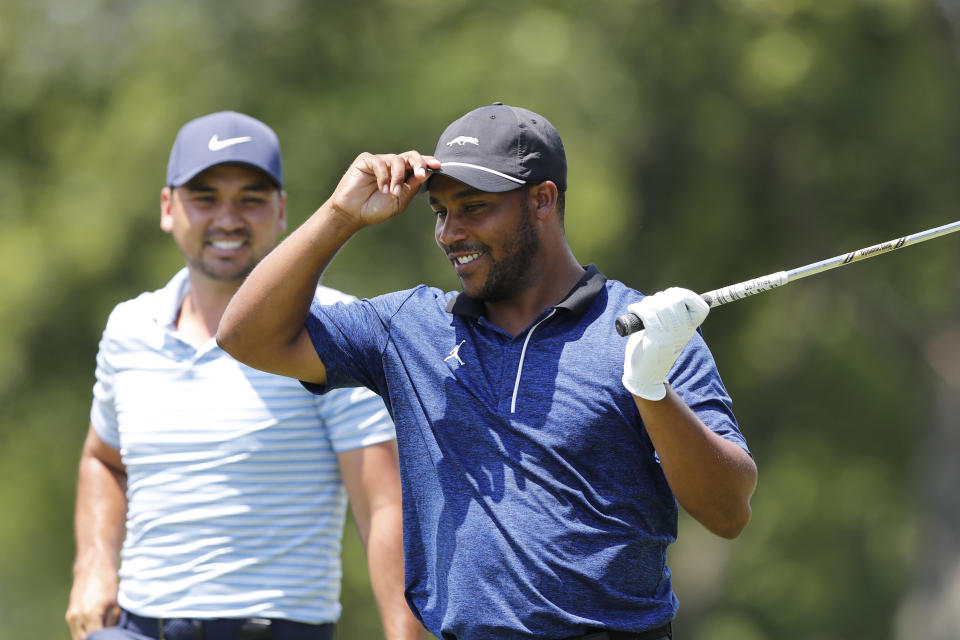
(708, 143)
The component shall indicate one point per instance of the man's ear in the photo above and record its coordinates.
(543, 198)
(166, 209)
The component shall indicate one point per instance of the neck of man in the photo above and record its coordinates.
(550, 282)
(203, 306)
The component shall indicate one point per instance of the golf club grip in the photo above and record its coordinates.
(628, 323)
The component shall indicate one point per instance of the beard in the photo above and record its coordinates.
(236, 274)
(510, 274)
(222, 270)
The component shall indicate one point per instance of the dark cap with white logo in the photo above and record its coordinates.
(224, 137)
(499, 148)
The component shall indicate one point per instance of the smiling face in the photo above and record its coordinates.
(224, 220)
(491, 239)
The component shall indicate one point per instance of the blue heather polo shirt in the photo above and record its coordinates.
(534, 505)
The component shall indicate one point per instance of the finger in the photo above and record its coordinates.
(634, 341)
(378, 166)
(371, 166)
(74, 621)
(361, 163)
(76, 628)
(692, 306)
(417, 169)
(112, 616)
(648, 312)
(374, 166)
(398, 166)
(673, 311)
(420, 165)
(82, 626)
(699, 308)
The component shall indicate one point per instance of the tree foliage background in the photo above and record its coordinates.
(708, 142)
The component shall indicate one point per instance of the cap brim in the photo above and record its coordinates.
(192, 173)
(477, 177)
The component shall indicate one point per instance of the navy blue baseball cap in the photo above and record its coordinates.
(218, 138)
(499, 148)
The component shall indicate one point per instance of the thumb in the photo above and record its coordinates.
(112, 616)
(696, 307)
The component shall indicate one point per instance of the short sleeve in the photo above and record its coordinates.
(103, 412)
(350, 339)
(696, 379)
(355, 418)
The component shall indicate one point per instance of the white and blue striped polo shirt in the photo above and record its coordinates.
(236, 505)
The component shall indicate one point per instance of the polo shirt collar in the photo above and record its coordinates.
(577, 301)
(167, 302)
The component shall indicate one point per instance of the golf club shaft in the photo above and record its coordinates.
(630, 323)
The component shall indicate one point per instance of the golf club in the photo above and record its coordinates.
(629, 323)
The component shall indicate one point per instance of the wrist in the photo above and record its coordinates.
(647, 390)
(341, 217)
(95, 561)
(332, 224)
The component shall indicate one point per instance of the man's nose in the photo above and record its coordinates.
(228, 216)
(451, 230)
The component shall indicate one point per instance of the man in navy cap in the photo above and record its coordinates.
(220, 489)
(542, 455)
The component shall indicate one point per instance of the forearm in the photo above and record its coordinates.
(99, 524)
(100, 514)
(264, 322)
(712, 478)
(385, 563)
(263, 325)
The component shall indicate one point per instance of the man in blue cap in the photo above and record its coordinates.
(220, 489)
(542, 455)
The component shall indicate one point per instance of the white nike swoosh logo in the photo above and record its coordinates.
(216, 144)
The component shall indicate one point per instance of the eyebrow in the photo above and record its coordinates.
(464, 193)
(202, 187)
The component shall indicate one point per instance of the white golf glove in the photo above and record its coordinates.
(670, 318)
